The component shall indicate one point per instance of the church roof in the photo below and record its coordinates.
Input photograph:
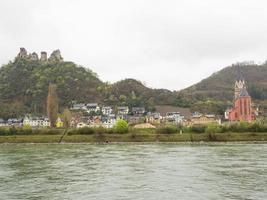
(243, 93)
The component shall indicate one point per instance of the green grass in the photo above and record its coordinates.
(136, 137)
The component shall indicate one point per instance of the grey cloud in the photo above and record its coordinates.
(167, 44)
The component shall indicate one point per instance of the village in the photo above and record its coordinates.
(96, 115)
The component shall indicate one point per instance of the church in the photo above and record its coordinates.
(243, 110)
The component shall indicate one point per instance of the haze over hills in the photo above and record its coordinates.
(24, 83)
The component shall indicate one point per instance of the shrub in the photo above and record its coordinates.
(3, 131)
(212, 137)
(85, 131)
(256, 127)
(197, 129)
(25, 131)
(12, 131)
(213, 128)
(167, 130)
(48, 131)
(101, 130)
(121, 126)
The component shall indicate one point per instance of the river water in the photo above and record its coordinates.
(130, 171)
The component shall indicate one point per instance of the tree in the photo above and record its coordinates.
(52, 104)
(66, 117)
(121, 126)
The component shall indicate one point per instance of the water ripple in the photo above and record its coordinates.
(154, 171)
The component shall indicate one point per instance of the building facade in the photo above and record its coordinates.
(242, 110)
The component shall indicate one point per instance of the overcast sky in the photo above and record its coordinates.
(166, 44)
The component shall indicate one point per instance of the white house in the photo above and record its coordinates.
(106, 110)
(123, 110)
(92, 107)
(2, 122)
(36, 121)
(109, 122)
(174, 117)
(79, 106)
(138, 110)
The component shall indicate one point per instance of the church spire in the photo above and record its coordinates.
(238, 74)
(239, 82)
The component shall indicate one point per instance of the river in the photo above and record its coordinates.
(131, 171)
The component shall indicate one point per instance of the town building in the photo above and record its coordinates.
(154, 117)
(36, 121)
(14, 122)
(123, 110)
(203, 119)
(174, 117)
(138, 110)
(59, 123)
(107, 110)
(242, 110)
(79, 106)
(2, 122)
(92, 107)
(164, 109)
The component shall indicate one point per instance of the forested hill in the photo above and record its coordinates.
(220, 85)
(218, 89)
(131, 92)
(24, 84)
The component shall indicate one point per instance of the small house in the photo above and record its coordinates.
(138, 110)
(79, 106)
(15, 122)
(59, 123)
(123, 110)
(201, 119)
(2, 122)
(36, 121)
(174, 117)
(92, 107)
(106, 110)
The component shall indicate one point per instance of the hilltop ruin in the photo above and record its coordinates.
(54, 57)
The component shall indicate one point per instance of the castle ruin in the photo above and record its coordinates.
(43, 56)
(22, 53)
(54, 57)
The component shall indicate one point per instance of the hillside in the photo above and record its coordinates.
(133, 93)
(218, 89)
(24, 84)
(219, 86)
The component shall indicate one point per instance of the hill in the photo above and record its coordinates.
(133, 93)
(24, 85)
(218, 89)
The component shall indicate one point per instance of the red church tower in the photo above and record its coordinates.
(242, 110)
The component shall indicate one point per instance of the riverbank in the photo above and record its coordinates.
(134, 137)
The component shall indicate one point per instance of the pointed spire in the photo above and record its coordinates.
(238, 74)
(243, 93)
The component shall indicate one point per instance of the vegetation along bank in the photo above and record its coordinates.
(212, 133)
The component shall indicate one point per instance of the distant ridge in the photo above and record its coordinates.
(24, 82)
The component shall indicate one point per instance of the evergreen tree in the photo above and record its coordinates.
(66, 117)
(52, 104)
